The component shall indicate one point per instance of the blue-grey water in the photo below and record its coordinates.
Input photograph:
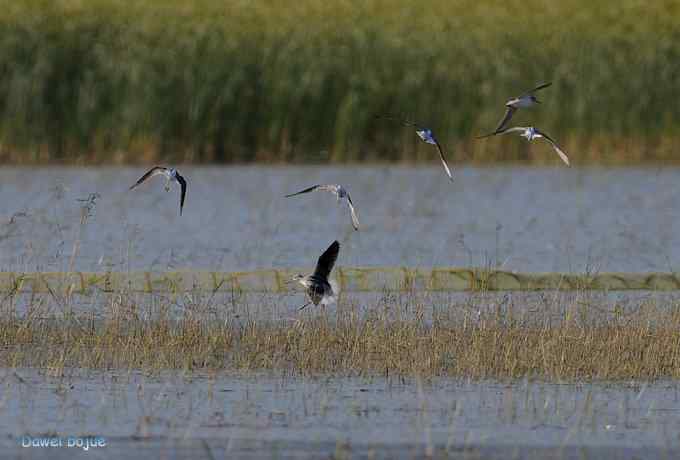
(236, 218)
(191, 415)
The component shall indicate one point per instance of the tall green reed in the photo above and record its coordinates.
(245, 81)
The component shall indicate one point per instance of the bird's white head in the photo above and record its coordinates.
(297, 278)
(529, 133)
(301, 279)
(426, 135)
(172, 176)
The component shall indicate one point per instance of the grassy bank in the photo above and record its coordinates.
(399, 335)
(210, 80)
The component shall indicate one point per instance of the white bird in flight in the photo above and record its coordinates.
(427, 136)
(171, 175)
(523, 101)
(531, 133)
(317, 286)
(340, 192)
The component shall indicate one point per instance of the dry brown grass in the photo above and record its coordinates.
(573, 341)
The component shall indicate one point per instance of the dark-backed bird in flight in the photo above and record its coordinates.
(531, 133)
(171, 175)
(317, 286)
(427, 136)
(522, 101)
(341, 194)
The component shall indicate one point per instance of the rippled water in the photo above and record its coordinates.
(235, 218)
(267, 416)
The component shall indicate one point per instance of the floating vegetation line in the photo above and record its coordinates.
(349, 279)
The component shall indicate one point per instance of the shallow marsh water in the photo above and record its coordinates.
(280, 416)
(528, 219)
(236, 218)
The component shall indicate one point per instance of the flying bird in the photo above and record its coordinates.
(531, 133)
(317, 286)
(427, 136)
(340, 192)
(523, 101)
(171, 175)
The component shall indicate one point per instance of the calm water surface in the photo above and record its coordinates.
(533, 219)
(269, 416)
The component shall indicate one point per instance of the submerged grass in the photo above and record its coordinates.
(575, 341)
(212, 80)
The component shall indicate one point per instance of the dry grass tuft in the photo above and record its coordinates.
(397, 336)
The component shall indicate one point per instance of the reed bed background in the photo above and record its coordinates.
(230, 81)
(564, 337)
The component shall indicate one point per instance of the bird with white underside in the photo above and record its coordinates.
(318, 287)
(523, 101)
(171, 175)
(341, 194)
(427, 136)
(531, 133)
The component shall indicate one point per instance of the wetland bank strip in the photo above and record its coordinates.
(349, 279)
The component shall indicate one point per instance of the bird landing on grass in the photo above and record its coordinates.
(317, 285)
